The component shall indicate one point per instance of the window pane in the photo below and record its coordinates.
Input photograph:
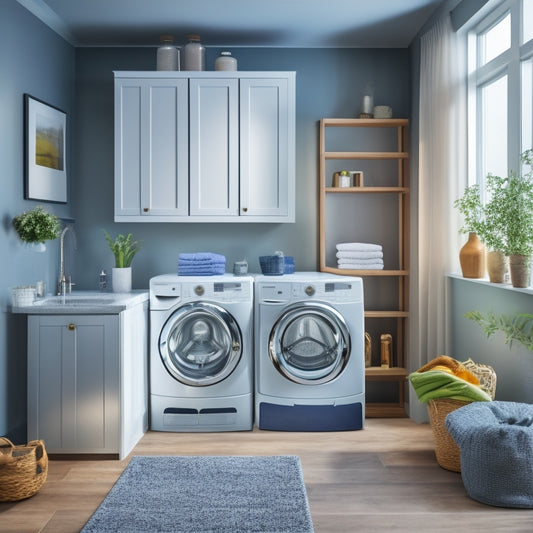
(527, 20)
(496, 40)
(494, 128)
(527, 104)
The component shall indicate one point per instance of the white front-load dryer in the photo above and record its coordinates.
(309, 352)
(201, 353)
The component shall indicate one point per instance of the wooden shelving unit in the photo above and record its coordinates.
(395, 183)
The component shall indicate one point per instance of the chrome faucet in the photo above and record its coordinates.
(64, 285)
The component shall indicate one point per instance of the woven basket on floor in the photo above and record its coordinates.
(447, 452)
(23, 469)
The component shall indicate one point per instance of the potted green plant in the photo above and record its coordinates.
(515, 328)
(37, 226)
(472, 254)
(124, 248)
(509, 217)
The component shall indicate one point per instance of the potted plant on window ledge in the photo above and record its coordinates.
(472, 254)
(510, 211)
(124, 248)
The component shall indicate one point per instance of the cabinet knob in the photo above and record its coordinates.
(244, 209)
(146, 209)
(71, 327)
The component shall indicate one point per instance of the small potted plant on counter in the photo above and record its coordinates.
(37, 226)
(124, 248)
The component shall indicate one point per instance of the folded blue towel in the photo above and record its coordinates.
(201, 258)
(213, 270)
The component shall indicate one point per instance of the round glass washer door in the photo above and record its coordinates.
(310, 343)
(200, 344)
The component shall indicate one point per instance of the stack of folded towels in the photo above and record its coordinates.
(359, 256)
(201, 264)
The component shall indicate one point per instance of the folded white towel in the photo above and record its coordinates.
(347, 261)
(360, 255)
(359, 247)
(361, 266)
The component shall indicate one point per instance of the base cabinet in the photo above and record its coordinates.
(88, 381)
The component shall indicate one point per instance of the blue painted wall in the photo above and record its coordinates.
(330, 83)
(513, 366)
(33, 60)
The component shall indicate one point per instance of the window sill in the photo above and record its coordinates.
(486, 282)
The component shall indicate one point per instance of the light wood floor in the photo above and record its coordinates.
(384, 477)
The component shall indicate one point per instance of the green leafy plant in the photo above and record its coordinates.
(471, 208)
(515, 328)
(37, 225)
(124, 248)
(509, 210)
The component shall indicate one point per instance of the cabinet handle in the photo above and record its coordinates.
(71, 327)
(146, 209)
(244, 209)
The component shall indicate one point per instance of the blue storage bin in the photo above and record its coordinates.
(272, 265)
(288, 265)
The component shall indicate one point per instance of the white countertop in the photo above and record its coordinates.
(84, 303)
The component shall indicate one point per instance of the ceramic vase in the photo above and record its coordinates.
(472, 257)
(121, 279)
(520, 267)
(497, 266)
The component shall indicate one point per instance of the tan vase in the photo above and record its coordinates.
(520, 267)
(497, 266)
(472, 257)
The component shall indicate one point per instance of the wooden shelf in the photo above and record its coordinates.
(344, 272)
(378, 373)
(396, 181)
(367, 190)
(365, 155)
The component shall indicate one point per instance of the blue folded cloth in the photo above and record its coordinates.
(201, 258)
(214, 270)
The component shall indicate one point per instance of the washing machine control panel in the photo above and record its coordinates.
(221, 291)
(336, 291)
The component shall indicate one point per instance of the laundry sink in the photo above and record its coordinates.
(79, 300)
(84, 302)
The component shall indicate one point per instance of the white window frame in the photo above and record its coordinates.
(507, 63)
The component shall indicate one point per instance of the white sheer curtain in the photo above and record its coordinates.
(442, 174)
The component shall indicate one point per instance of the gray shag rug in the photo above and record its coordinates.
(206, 495)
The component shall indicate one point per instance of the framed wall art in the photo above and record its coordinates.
(45, 151)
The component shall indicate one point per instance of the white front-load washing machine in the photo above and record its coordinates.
(309, 352)
(201, 353)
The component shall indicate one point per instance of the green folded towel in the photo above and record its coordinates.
(434, 384)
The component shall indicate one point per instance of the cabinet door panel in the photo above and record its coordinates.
(266, 160)
(165, 149)
(73, 382)
(214, 147)
(127, 148)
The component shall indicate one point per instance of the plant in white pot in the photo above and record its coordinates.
(37, 226)
(510, 218)
(472, 254)
(124, 248)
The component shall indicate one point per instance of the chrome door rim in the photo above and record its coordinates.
(224, 319)
(306, 377)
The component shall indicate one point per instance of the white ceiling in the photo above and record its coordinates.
(265, 23)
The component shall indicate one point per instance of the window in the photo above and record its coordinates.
(500, 102)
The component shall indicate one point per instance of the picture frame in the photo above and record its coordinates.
(45, 161)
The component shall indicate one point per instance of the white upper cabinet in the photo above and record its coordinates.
(151, 148)
(207, 147)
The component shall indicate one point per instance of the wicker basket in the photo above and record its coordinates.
(23, 469)
(446, 450)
